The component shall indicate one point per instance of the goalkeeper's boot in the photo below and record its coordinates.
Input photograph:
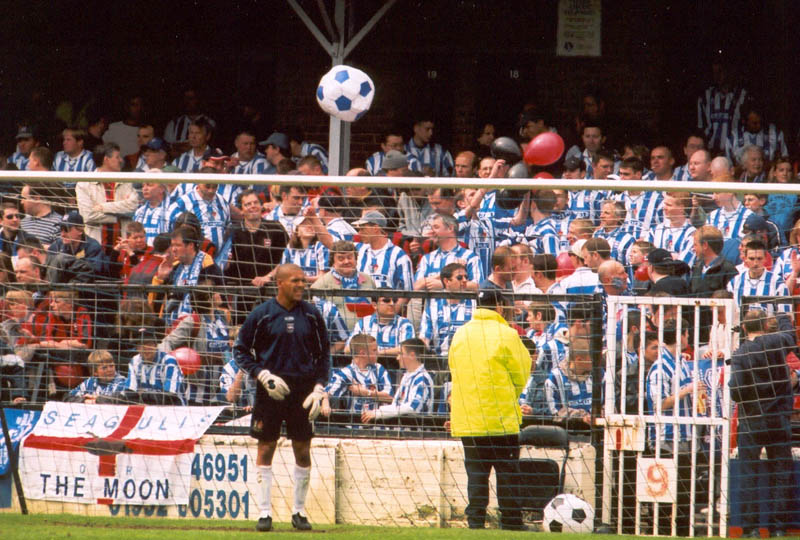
(264, 524)
(300, 522)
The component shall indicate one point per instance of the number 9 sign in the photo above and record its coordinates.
(656, 480)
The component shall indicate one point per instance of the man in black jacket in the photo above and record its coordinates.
(711, 271)
(761, 385)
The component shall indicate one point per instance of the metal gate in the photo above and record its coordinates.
(642, 467)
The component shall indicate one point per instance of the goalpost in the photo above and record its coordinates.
(408, 471)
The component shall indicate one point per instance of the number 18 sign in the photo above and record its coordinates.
(656, 480)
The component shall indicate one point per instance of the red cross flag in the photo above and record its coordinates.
(112, 454)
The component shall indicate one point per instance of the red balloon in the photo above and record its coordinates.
(564, 265)
(188, 359)
(543, 174)
(69, 375)
(544, 149)
(641, 273)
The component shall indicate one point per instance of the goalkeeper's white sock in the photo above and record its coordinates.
(266, 490)
(301, 478)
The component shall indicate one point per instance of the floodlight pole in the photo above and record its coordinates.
(338, 49)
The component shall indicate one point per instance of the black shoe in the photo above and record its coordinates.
(476, 524)
(264, 524)
(300, 522)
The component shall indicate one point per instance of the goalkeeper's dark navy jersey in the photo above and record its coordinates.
(289, 343)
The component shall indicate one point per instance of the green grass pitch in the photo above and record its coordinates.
(44, 527)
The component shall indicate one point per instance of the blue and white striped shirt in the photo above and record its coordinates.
(389, 266)
(479, 236)
(334, 322)
(163, 375)
(414, 395)
(620, 241)
(562, 392)
(433, 262)
(644, 211)
(678, 240)
(214, 215)
(681, 173)
(248, 392)
(155, 219)
(441, 319)
(768, 284)
(257, 165)
(375, 375)
(340, 229)
(783, 263)
(229, 193)
(585, 204)
(188, 161)
(94, 386)
(729, 223)
(543, 237)
(660, 385)
(20, 160)
(83, 162)
(770, 140)
(719, 114)
(432, 155)
(388, 335)
(311, 149)
(313, 259)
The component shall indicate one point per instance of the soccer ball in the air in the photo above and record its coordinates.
(568, 513)
(346, 93)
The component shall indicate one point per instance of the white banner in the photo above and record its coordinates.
(112, 454)
(579, 28)
(656, 480)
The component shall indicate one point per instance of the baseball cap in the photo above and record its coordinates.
(394, 160)
(577, 248)
(660, 257)
(755, 223)
(156, 143)
(72, 219)
(24, 132)
(374, 217)
(277, 139)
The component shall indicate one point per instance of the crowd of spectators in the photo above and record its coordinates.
(206, 249)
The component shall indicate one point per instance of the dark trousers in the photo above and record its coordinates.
(774, 433)
(481, 454)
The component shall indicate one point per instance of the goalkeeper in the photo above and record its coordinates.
(283, 344)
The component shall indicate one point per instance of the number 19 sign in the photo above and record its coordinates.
(656, 480)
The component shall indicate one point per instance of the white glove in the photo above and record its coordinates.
(274, 385)
(314, 400)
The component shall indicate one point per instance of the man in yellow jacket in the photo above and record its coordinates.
(489, 366)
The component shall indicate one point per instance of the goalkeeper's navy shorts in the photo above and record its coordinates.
(269, 414)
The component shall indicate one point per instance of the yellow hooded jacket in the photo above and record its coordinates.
(489, 367)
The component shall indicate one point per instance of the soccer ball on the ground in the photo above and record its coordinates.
(346, 93)
(568, 513)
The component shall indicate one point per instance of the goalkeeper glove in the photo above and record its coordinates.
(274, 385)
(314, 401)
